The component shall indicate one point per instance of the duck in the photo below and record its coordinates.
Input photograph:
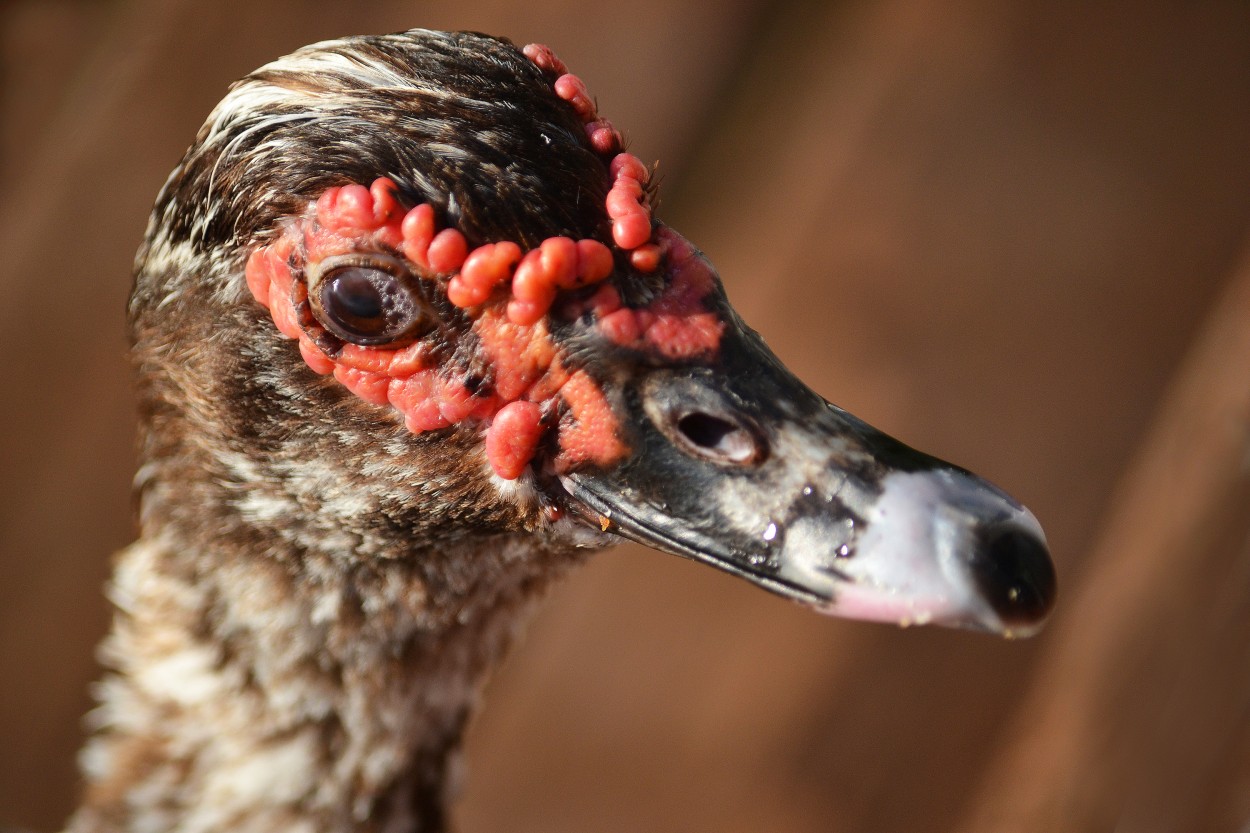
(411, 344)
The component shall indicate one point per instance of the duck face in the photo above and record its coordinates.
(630, 395)
(445, 226)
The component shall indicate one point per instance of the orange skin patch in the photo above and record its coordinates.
(677, 324)
(513, 436)
(530, 389)
(508, 295)
(627, 200)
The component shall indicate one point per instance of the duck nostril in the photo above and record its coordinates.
(705, 430)
(719, 439)
(1014, 572)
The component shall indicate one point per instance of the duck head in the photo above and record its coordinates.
(436, 239)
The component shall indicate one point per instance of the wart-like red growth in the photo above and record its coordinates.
(513, 437)
(489, 282)
(507, 294)
(558, 263)
(484, 269)
(544, 58)
(678, 323)
(627, 200)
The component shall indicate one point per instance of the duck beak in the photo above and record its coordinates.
(740, 465)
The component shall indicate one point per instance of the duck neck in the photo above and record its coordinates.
(296, 691)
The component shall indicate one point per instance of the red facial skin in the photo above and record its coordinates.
(526, 363)
(513, 438)
(544, 58)
(677, 323)
(508, 295)
(627, 200)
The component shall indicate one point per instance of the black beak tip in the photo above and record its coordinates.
(1014, 573)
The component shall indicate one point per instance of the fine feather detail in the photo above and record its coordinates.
(317, 594)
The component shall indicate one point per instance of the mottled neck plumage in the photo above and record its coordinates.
(261, 693)
(314, 602)
(318, 593)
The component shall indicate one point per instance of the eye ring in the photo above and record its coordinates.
(369, 299)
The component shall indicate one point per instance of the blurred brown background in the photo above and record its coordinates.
(1016, 235)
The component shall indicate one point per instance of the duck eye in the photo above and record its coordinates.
(369, 302)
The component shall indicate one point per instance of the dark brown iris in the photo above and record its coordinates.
(369, 301)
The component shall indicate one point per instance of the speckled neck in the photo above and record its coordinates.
(318, 592)
(314, 602)
(253, 693)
